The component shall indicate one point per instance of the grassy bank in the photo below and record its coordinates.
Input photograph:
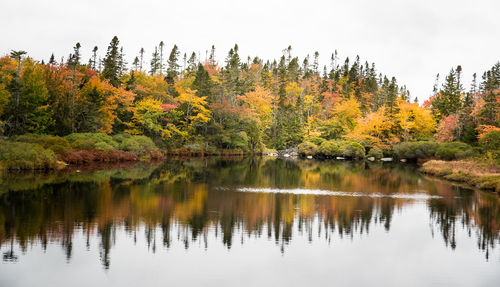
(31, 152)
(475, 173)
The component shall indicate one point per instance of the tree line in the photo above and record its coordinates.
(248, 104)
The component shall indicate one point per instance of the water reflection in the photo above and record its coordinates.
(191, 200)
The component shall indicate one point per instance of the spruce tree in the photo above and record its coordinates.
(173, 66)
(111, 70)
(141, 52)
(447, 101)
(155, 62)
(161, 57)
(52, 60)
(94, 57)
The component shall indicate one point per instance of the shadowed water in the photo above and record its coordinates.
(246, 222)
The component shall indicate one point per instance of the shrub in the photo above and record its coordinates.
(490, 144)
(416, 150)
(22, 155)
(352, 149)
(307, 148)
(54, 143)
(211, 150)
(89, 156)
(376, 153)
(316, 140)
(239, 141)
(138, 144)
(194, 148)
(329, 149)
(89, 140)
(103, 146)
(119, 138)
(454, 150)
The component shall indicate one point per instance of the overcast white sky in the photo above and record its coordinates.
(410, 39)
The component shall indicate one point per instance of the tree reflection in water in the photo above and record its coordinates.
(187, 200)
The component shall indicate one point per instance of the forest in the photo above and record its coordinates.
(182, 103)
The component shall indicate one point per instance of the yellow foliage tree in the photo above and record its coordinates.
(194, 108)
(414, 121)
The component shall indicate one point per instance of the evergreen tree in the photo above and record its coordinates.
(94, 58)
(161, 57)
(203, 84)
(52, 60)
(135, 63)
(141, 52)
(112, 63)
(121, 62)
(490, 90)
(173, 66)
(155, 62)
(447, 101)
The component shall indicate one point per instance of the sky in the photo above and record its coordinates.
(412, 40)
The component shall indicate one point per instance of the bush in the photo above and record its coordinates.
(352, 149)
(239, 141)
(88, 141)
(454, 150)
(375, 152)
(103, 146)
(490, 144)
(194, 148)
(119, 138)
(316, 140)
(22, 155)
(138, 144)
(89, 156)
(329, 149)
(54, 143)
(416, 150)
(307, 148)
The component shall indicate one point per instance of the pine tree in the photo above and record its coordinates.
(161, 57)
(316, 62)
(52, 60)
(173, 67)
(112, 68)
(94, 57)
(192, 62)
(141, 52)
(203, 84)
(391, 95)
(447, 101)
(211, 59)
(121, 62)
(490, 89)
(155, 62)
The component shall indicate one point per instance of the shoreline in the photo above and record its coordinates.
(474, 173)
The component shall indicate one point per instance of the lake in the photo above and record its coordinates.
(246, 222)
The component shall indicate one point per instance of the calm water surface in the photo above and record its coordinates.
(246, 222)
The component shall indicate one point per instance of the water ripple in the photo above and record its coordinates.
(420, 196)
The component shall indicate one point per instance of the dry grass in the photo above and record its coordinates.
(476, 173)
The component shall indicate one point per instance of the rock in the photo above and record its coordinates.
(386, 159)
(403, 160)
(371, 158)
(291, 152)
(340, 157)
(309, 156)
